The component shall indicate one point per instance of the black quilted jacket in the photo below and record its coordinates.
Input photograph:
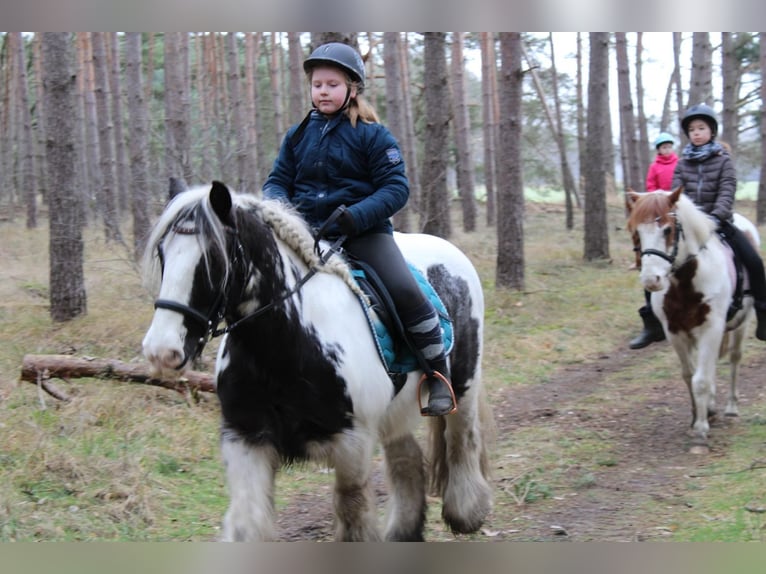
(710, 184)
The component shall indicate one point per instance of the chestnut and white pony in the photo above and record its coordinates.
(298, 373)
(690, 272)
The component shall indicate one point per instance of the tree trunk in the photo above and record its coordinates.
(276, 85)
(644, 155)
(139, 174)
(91, 161)
(435, 205)
(730, 73)
(39, 120)
(489, 129)
(677, 39)
(410, 141)
(557, 131)
(761, 202)
(38, 368)
(28, 180)
(106, 196)
(395, 110)
(461, 125)
(122, 188)
(510, 189)
(298, 84)
(596, 226)
(67, 283)
(176, 101)
(582, 149)
(570, 189)
(632, 178)
(701, 81)
(253, 117)
(239, 131)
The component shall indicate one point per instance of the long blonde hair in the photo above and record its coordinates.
(360, 109)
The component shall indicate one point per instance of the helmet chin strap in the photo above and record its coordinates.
(347, 100)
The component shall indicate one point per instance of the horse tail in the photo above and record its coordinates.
(485, 434)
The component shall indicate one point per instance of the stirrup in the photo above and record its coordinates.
(424, 410)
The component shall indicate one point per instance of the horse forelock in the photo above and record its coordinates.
(650, 207)
(175, 218)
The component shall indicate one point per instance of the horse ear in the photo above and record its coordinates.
(630, 199)
(220, 199)
(675, 194)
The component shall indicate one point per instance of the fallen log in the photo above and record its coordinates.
(39, 369)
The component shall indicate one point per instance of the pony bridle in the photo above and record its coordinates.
(217, 312)
(669, 257)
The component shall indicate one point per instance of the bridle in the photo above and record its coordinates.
(216, 314)
(217, 311)
(670, 257)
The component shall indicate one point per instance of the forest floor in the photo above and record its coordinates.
(646, 461)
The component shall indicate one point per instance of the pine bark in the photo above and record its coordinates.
(67, 282)
(395, 119)
(761, 201)
(596, 226)
(139, 125)
(510, 189)
(435, 215)
(28, 179)
(461, 125)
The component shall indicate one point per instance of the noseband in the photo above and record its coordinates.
(669, 257)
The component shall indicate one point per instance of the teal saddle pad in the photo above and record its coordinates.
(387, 330)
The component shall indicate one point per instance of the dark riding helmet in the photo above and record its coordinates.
(339, 55)
(702, 112)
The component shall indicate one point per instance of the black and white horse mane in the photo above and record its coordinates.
(192, 208)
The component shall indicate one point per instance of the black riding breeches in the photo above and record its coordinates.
(750, 258)
(379, 251)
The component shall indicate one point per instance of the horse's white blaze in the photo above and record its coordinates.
(163, 343)
(654, 269)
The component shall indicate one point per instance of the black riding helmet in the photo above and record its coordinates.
(339, 55)
(702, 112)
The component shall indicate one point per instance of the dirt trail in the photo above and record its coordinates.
(653, 459)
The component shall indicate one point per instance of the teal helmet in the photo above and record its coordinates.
(664, 137)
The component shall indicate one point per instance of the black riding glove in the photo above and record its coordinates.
(346, 222)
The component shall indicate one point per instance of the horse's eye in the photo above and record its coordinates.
(666, 232)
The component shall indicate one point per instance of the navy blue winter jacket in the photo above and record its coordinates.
(333, 164)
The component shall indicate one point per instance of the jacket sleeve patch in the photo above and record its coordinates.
(394, 156)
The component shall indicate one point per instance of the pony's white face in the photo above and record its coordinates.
(656, 237)
(175, 333)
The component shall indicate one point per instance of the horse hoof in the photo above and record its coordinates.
(699, 449)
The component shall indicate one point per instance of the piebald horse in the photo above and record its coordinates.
(298, 372)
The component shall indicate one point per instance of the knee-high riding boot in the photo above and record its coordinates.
(424, 330)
